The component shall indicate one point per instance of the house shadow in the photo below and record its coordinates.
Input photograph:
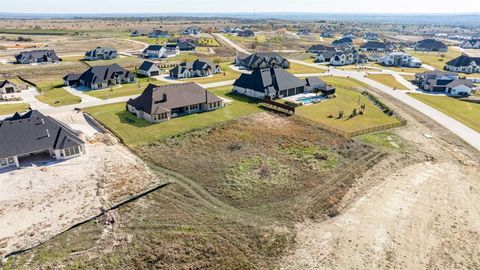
(125, 117)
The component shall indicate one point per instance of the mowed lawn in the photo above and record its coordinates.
(58, 97)
(136, 132)
(346, 100)
(304, 69)
(388, 80)
(436, 59)
(400, 69)
(12, 108)
(124, 89)
(466, 112)
(227, 74)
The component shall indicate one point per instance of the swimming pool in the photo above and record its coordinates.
(308, 100)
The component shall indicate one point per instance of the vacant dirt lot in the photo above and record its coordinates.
(421, 216)
(37, 203)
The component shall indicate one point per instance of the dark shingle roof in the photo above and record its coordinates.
(3, 83)
(463, 60)
(263, 80)
(460, 82)
(193, 65)
(146, 65)
(100, 50)
(41, 55)
(321, 48)
(430, 44)
(186, 46)
(153, 47)
(34, 132)
(342, 41)
(101, 74)
(375, 45)
(152, 100)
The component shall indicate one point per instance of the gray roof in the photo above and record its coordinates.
(315, 82)
(375, 45)
(321, 48)
(186, 46)
(34, 132)
(101, 50)
(198, 64)
(467, 83)
(267, 79)
(159, 99)
(101, 74)
(268, 57)
(3, 83)
(153, 47)
(40, 55)
(463, 61)
(344, 40)
(430, 44)
(246, 33)
(146, 65)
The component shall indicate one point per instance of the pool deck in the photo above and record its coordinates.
(297, 98)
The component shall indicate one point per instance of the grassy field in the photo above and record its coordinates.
(12, 108)
(239, 189)
(123, 61)
(303, 69)
(137, 132)
(387, 80)
(466, 112)
(58, 97)
(346, 100)
(226, 75)
(400, 69)
(208, 42)
(435, 59)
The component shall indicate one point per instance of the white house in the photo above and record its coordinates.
(471, 44)
(400, 59)
(464, 64)
(161, 51)
(460, 88)
(149, 69)
(8, 89)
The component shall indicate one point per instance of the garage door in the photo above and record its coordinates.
(154, 73)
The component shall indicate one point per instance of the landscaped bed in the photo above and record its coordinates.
(466, 112)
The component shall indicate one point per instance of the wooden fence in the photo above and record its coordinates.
(277, 106)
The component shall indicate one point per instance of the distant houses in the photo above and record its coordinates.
(184, 46)
(400, 59)
(347, 57)
(231, 30)
(157, 51)
(36, 134)
(471, 44)
(371, 36)
(101, 53)
(464, 64)
(159, 34)
(37, 56)
(444, 82)
(139, 33)
(321, 48)
(376, 46)
(304, 32)
(8, 89)
(197, 68)
(149, 69)
(261, 60)
(246, 33)
(192, 30)
(430, 45)
(327, 34)
(162, 103)
(343, 41)
(99, 77)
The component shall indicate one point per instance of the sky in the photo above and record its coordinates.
(222, 6)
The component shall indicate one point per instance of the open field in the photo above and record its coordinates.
(466, 112)
(346, 100)
(387, 80)
(12, 108)
(58, 97)
(303, 69)
(135, 132)
(435, 59)
(128, 62)
(208, 221)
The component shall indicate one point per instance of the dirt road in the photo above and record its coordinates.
(422, 216)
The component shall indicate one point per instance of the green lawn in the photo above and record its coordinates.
(388, 80)
(58, 97)
(303, 69)
(124, 90)
(136, 132)
(466, 112)
(48, 84)
(123, 61)
(436, 59)
(12, 108)
(226, 75)
(346, 100)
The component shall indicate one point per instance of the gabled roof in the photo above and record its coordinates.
(153, 47)
(101, 74)
(315, 82)
(252, 59)
(455, 83)
(431, 44)
(342, 41)
(159, 99)
(463, 61)
(5, 82)
(186, 46)
(146, 65)
(321, 47)
(38, 54)
(267, 79)
(34, 132)
(198, 64)
(100, 50)
(375, 45)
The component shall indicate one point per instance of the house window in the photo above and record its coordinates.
(10, 160)
(72, 151)
(3, 162)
